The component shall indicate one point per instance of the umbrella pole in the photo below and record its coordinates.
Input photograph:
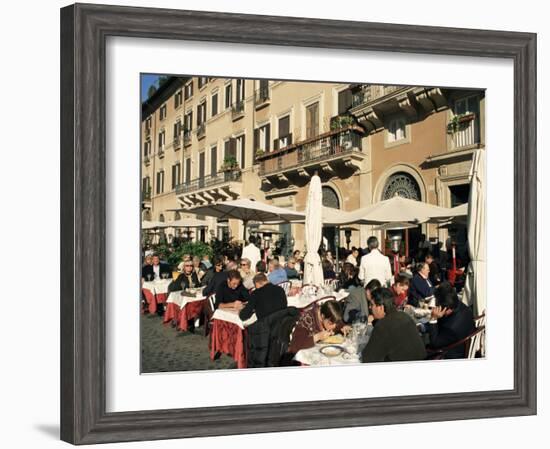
(336, 246)
(245, 222)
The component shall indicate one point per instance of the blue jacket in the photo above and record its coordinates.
(420, 288)
(277, 276)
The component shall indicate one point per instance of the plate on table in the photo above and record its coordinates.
(332, 350)
(334, 340)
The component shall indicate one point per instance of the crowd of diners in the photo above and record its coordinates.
(378, 296)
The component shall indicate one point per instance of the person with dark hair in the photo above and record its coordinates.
(435, 272)
(157, 269)
(421, 286)
(400, 289)
(316, 324)
(213, 272)
(356, 306)
(353, 256)
(395, 337)
(231, 294)
(451, 321)
(328, 269)
(370, 287)
(375, 265)
(264, 300)
(261, 267)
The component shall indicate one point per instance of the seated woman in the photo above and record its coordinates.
(421, 286)
(187, 279)
(328, 270)
(356, 306)
(315, 324)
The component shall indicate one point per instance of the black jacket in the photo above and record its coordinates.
(264, 301)
(225, 295)
(215, 281)
(394, 338)
(450, 329)
(269, 337)
(182, 282)
(148, 270)
(420, 288)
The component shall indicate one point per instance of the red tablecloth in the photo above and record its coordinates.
(190, 311)
(151, 300)
(228, 338)
(172, 312)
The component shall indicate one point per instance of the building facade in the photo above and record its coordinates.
(211, 139)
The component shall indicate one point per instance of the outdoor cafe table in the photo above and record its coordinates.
(228, 335)
(155, 292)
(183, 308)
(301, 302)
(313, 356)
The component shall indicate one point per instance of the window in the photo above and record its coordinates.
(178, 99)
(177, 130)
(261, 138)
(188, 170)
(146, 185)
(162, 112)
(188, 90)
(148, 124)
(344, 101)
(147, 148)
(240, 150)
(160, 182)
(188, 121)
(176, 174)
(467, 105)
(285, 137)
(228, 95)
(202, 81)
(240, 90)
(201, 113)
(397, 130)
(230, 149)
(213, 160)
(162, 140)
(214, 107)
(312, 120)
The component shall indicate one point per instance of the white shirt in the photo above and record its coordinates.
(252, 253)
(375, 266)
(156, 269)
(351, 259)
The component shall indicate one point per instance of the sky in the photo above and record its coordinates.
(146, 81)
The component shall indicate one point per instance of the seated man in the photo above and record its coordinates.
(218, 278)
(157, 270)
(187, 279)
(291, 271)
(400, 289)
(421, 286)
(451, 321)
(265, 300)
(395, 337)
(276, 273)
(231, 294)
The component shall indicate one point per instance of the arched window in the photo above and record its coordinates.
(147, 215)
(161, 218)
(330, 199)
(403, 185)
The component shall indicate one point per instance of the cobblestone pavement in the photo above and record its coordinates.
(163, 349)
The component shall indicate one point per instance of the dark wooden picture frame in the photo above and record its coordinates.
(84, 29)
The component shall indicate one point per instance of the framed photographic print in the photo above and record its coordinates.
(258, 213)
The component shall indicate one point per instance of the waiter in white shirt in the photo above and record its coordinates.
(252, 253)
(375, 265)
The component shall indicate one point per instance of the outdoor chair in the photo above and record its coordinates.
(308, 288)
(471, 343)
(208, 311)
(285, 286)
(324, 299)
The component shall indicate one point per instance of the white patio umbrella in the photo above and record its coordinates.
(147, 225)
(396, 209)
(457, 214)
(313, 272)
(394, 226)
(247, 210)
(187, 223)
(474, 288)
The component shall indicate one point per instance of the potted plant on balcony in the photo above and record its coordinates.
(341, 121)
(229, 164)
(459, 122)
(259, 153)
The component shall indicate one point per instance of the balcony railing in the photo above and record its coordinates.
(370, 93)
(465, 133)
(201, 130)
(187, 138)
(330, 146)
(237, 109)
(176, 143)
(261, 95)
(208, 181)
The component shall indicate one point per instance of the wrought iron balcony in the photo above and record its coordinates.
(340, 147)
(464, 132)
(208, 182)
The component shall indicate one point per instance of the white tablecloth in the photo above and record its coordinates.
(301, 302)
(232, 316)
(181, 300)
(313, 356)
(158, 286)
